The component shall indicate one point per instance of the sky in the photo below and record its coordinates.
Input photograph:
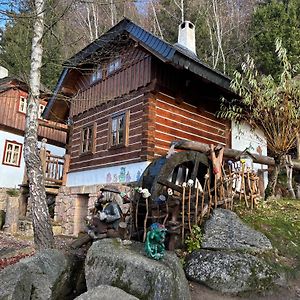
(9, 4)
(2, 16)
(4, 6)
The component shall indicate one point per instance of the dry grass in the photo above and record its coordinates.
(279, 220)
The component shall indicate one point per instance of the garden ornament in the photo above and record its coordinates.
(105, 222)
(161, 199)
(145, 193)
(190, 182)
(170, 192)
(154, 245)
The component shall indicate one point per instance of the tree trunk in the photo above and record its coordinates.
(298, 146)
(289, 176)
(270, 189)
(43, 235)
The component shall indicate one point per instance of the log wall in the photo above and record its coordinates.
(103, 155)
(183, 121)
(135, 72)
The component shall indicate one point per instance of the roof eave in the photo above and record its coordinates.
(97, 44)
(205, 72)
(47, 110)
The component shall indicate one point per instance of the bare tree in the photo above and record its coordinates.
(43, 235)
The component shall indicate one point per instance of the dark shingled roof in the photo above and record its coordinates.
(176, 55)
(9, 82)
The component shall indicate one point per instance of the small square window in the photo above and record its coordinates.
(87, 139)
(96, 75)
(114, 66)
(23, 105)
(12, 153)
(119, 127)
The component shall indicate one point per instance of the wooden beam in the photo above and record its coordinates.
(66, 169)
(68, 91)
(54, 125)
(228, 153)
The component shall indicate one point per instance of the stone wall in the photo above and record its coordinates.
(68, 208)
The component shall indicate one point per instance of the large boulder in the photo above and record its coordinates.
(47, 275)
(109, 262)
(16, 283)
(106, 292)
(224, 230)
(229, 272)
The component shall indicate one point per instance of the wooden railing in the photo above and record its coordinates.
(55, 167)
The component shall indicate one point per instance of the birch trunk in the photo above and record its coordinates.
(43, 235)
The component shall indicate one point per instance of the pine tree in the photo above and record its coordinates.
(16, 46)
(275, 19)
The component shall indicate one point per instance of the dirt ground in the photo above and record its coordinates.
(12, 249)
(201, 292)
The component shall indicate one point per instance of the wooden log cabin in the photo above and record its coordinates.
(128, 95)
(13, 94)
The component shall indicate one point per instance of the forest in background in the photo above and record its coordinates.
(226, 30)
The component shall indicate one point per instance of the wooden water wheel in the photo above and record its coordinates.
(171, 172)
(170, 203)
(185, 188)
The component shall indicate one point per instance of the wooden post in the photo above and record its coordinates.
(189, 210)
(145, 220)
(289, 173)
(182, 212)
(66, 168)
(209, 194)
(250, 189)
(12, 215)
(202, 199)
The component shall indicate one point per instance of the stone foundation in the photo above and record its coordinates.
(73, 204)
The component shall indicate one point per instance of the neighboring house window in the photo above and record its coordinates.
(87, 139)
(12, 153)
(97, 75)
(114, 66)
(119, 127)
(23, 105)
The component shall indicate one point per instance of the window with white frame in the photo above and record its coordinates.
(114, 66)
(23, 107)
(119, 127)
(12, 153)
(23, 104)
(87, 139)
(97, 75)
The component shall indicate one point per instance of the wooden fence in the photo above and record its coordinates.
(55, 167)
